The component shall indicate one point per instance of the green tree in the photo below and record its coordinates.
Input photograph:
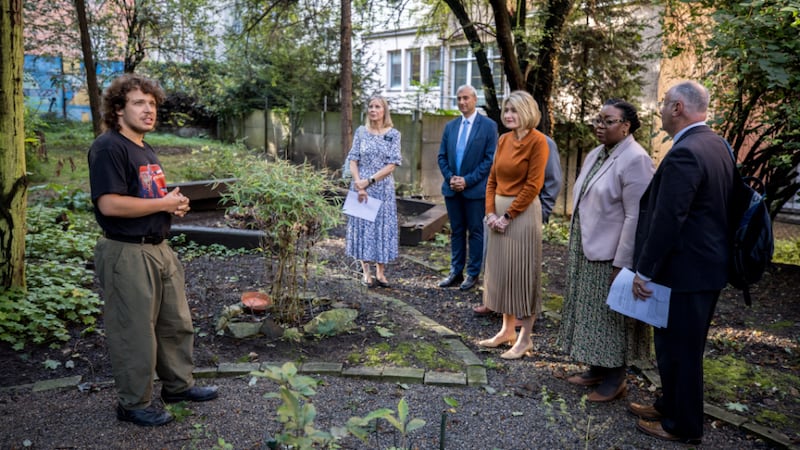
(752, 62)
(13, 183)
(529, 45)
(602, 57)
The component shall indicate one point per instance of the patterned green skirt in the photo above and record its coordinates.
(590, 331)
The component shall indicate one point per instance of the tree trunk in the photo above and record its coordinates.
(541, 79)
(88, 63)
(505, 42)
(346, 78)
(13, 183)
(479, 50)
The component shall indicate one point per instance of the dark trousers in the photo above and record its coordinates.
(466, 223)
(679, 352)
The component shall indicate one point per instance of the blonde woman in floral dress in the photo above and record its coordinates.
(372, 159)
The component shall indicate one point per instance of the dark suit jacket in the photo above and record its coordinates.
(478, 156)
(682, 234)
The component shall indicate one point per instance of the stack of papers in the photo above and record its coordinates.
(367, 210)
(654, 310)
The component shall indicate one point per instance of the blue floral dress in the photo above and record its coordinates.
(375, 241)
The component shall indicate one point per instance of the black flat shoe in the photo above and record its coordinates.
(147, 417)
(383, 284)
(195, 394)
(370, 283)
(451, 280)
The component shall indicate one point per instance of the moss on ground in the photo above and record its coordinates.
(405, 354)
(729, 379)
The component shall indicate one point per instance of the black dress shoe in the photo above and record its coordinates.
(194, 394)
(147, 417)
(468, 283)
(451, 280)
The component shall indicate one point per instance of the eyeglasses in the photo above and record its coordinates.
(598, 122)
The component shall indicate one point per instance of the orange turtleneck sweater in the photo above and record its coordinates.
(518, 170)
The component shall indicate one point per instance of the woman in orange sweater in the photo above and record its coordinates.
(512, 278)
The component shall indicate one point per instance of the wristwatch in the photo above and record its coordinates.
(507, 217)
(371, 180)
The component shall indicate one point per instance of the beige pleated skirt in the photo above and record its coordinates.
(512, 279)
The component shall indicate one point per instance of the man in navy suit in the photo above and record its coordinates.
(465, 157)
(682, 242)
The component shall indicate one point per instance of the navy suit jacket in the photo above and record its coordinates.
(682, 234)
(478, 156)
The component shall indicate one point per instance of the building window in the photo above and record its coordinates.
(433, 68)
(414, 66)
(465, 71)
(395, 70)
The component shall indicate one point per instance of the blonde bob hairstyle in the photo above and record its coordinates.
(387, 117)
(526, 107)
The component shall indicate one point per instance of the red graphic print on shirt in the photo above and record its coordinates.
(152, 182)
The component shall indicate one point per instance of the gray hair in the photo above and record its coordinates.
(694, 95)
(469, 88)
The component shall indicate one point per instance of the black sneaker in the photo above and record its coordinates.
(194, 394)
(147, 417)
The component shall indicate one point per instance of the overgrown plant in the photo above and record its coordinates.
(288, 203)
(361, 427)
(297, 413)
(59, 294)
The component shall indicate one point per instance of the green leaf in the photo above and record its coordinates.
(738, 407)
(384, 332)
(50, 364)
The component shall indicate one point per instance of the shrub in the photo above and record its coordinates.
(288, 203)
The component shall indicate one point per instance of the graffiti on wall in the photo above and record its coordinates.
(57, 86)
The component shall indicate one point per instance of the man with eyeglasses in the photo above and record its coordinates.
(682, 243)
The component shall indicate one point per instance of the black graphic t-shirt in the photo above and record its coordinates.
(117, 165)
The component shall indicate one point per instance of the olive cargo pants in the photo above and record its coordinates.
(147, 319)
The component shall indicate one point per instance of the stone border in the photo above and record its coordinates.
(474, 375)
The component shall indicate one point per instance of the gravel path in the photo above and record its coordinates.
(510, 413)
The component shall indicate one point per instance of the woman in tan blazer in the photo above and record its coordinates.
(605, 211)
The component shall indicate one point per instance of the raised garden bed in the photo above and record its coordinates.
(420, 220)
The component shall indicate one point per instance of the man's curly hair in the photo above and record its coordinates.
(116, 95)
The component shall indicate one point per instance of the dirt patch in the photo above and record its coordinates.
(763, 337)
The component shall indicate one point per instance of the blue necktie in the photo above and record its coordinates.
(461, 145)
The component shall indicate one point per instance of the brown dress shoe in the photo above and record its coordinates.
(646, 412)
(585, 379)
(595, 396)
(656, 430)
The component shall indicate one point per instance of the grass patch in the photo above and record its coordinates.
(67, 145)
(787, 251)
(781, 325)
(553, 302)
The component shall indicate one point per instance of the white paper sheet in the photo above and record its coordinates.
(367, 210)
(654, 310)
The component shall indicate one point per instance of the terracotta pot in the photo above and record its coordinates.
(256, 301)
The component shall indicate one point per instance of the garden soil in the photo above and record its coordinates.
(527, 404)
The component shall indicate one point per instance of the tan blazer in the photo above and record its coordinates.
(609, 207)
